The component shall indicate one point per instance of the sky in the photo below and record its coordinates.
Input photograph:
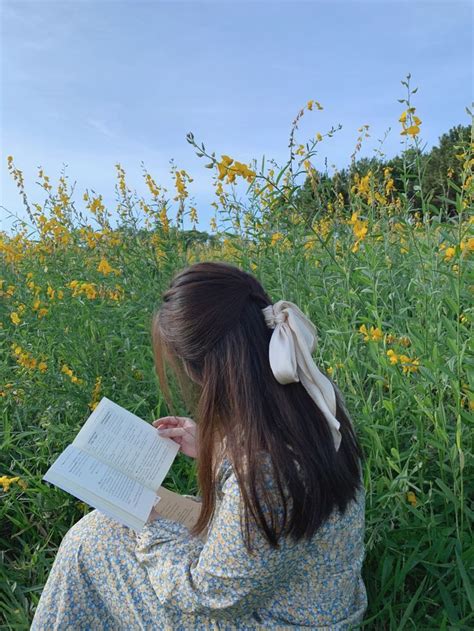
(85, 84)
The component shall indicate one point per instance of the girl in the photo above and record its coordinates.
(279, 541)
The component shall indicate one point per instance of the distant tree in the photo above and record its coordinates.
(433, 168)
(443, 164)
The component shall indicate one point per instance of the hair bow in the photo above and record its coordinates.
(291, 344)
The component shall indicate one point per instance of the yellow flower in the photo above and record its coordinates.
(193, 215)
(318, 136)
(411, 497)
(15, 317)
(104, 267)
(42, 366)
(22, 357)
(277, 236)
(360, 229)
(413, 130)
(96, 393)
(376, 334)
(449, 253)
(6, 482)
(90, 290)
(404, 340)
(65, 368)
(392, 356)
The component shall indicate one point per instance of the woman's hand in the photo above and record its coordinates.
(182, 430)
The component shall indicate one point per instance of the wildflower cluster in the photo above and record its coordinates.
(9, 291)
(105, 268)
(96, 206)
(6, 482)
(92, 291)
(54, 230)
(152, 186)
(78, 288)
(466, 246)
(181, 179)
(408, 364)
(68, 371)
(25, 359)
(330, 369)
(229, 168)
(410, 122)
(15, 316)
(96, 393)
(359, 228)
(7, 386)
(122, 185)
(311, 103)
(373, 334)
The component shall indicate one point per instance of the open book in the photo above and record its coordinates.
(116, 464)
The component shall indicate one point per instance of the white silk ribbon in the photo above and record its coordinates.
(292, 342)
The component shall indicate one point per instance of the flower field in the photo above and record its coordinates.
(382, 270)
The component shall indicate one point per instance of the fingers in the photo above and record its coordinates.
(167, 420)
(172, 432)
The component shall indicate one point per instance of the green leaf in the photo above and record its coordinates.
(465, 578)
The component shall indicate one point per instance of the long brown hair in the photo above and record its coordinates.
(210, 323)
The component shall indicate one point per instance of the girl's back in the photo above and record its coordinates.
(284, 544)
(314, 584)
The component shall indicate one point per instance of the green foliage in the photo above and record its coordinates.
(434, 166)
(392, 302)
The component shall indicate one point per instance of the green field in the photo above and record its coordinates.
(382, 267)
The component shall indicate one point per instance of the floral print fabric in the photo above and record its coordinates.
(107, 576)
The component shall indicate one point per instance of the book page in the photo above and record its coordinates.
(109, 509)
(77, 472)
(126, 442)
(173, 506)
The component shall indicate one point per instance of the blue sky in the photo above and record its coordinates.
(91, 83)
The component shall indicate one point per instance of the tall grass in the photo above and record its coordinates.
(385, 279)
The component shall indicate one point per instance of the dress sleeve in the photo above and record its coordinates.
(218, 578)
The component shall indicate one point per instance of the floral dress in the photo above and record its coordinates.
(108, 577)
